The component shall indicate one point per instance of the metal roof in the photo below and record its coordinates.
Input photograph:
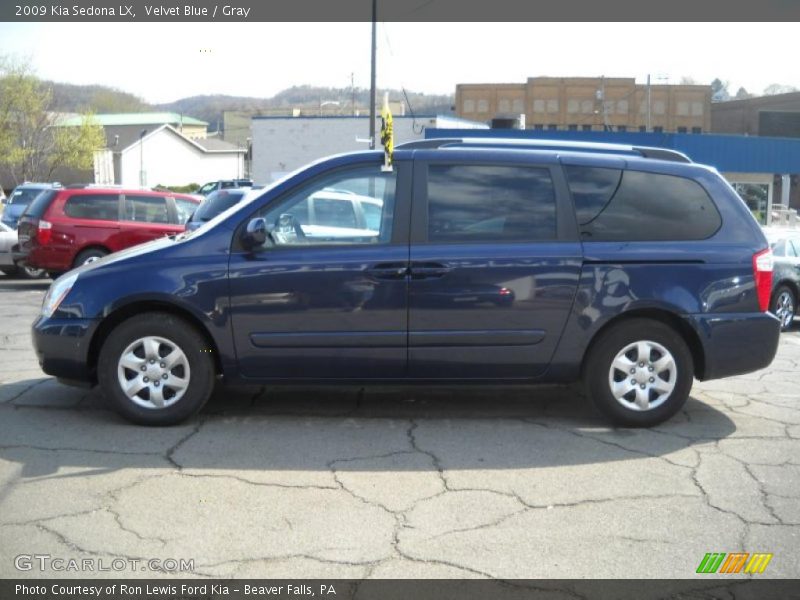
(727, 153)
(145, 118)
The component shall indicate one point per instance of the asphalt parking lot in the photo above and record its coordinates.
(387, 483)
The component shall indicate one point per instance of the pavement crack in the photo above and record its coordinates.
(170, 453)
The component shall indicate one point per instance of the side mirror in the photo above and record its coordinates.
(255, 234)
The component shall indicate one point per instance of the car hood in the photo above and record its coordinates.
(123, 255)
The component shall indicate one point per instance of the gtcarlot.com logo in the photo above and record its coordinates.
(47, 562)
(735, 562)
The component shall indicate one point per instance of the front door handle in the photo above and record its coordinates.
(388, 270)
(428, 270)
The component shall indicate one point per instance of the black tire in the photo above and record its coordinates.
(783, 305)
(54, 274)
(10, 271)
(32, 272)
(89, 255)
(140, 408)
(625, 411)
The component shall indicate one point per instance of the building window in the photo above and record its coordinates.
(622, 107)
(504, 106)
(658, 129)
(586, 127)
(697, 130)
(552, 127)
(697, 109)
(538, 106)
(608, 107)
(483, 106)
(518, 106)
(622, 128)
(683, 109)
(681, 129)
(572, 127)
(552, 106)
(587, 107)
(659, 107)
(469, 105)
(538, 126)
(573, 106)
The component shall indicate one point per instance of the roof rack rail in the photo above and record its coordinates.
(545, 144)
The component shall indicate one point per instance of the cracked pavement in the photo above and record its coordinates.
(387, 483)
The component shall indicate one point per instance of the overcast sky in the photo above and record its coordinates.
(161, 62)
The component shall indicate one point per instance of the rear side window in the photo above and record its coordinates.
(146, 209)
(643, 207)
(40, 204)
(487, 203)
(101, 207)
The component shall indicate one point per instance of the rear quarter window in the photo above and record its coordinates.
(641, 207)
(100, 207)
(40, 204)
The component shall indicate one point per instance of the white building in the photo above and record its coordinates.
(166, 157)
(283, 144)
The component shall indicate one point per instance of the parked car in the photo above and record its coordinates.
(9, 255)
(785, 245)
(64, 228)
(19, 200)
(215, 203)
(223, 184)
(630, 268)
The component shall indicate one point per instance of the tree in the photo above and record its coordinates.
(743, 94)
(32, 143)
(719, 91)
(778, 88)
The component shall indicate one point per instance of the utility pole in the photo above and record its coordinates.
(353, 93)
(373, 92)
(649, 100)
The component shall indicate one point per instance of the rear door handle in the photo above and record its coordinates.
(388, 270)
(428, 270)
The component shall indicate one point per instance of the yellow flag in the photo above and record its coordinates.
(387, 133)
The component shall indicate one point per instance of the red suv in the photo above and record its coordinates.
(64, 228)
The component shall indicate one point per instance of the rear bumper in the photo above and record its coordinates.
(62, 347)
(737, 343)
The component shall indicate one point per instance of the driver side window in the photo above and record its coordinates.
(350, 207)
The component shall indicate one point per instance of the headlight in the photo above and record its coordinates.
(56, 294)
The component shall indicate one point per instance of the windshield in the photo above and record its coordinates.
(216, 203)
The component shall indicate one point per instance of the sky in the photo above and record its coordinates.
(162, 62)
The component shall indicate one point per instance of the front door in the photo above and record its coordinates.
(494, 266)
(326, 296)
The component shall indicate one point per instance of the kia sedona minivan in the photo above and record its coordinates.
(64, 228)
(489, 262)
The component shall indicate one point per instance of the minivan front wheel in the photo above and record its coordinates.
(639, 373)
(156, 369)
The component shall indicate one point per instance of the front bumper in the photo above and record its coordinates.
(736, 343)
(62, 347)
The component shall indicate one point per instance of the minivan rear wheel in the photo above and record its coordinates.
(156, 369)
(639, 373)
(89, 256)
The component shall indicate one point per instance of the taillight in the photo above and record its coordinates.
(44, 233)
(762, 272)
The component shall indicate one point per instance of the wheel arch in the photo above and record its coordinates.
(132, 309)
(105, 249)
(672, 320)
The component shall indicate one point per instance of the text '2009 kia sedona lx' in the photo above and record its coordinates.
(632, 269)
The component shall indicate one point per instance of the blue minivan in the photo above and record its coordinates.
(481, 261)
